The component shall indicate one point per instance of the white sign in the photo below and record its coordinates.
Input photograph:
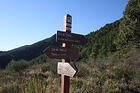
(66, 69)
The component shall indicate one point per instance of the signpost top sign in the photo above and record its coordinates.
(70, 38)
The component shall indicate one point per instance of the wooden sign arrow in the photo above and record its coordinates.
(70, 38)
(62, 52)
(66, 69)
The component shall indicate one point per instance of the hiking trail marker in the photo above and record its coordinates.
(66, 53)
(66, 69)
(70, 38)
(62, 52)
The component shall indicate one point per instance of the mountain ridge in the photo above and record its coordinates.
(27, 52)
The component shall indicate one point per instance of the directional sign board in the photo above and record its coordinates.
(66, 69)
(70, 38)
(62, 52)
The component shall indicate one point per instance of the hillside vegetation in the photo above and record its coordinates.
(109, 75)
(109, 62)
(116, 38)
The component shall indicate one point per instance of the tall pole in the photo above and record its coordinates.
(65, 80)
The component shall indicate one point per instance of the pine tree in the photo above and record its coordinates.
(129, 34)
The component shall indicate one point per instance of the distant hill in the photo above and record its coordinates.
(27, 52)
(1, 52)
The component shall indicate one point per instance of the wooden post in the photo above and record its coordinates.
(65, 80)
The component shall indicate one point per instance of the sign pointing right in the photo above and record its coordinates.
(66, 69)
(70, 38)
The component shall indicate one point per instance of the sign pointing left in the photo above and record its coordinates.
(62, 52)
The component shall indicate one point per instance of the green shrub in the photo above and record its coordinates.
(17, 65)
(112, 86)
(76, 83)
(11, 88)
(83, 70)
(124, 71)
(44, 68)
(35, 86)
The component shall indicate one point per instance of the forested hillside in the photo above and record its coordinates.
(116, 38)
(101, 43)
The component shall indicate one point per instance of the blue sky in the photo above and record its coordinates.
(24, 22)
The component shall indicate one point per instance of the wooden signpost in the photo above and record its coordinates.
(66, 53)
